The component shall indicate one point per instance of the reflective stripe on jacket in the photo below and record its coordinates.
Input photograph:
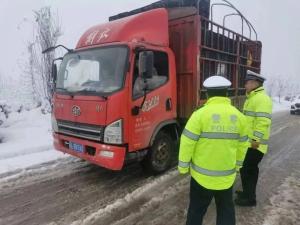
(213, 144)
(258, 112)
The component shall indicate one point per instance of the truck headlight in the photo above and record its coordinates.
(54, 124)
(113, 133)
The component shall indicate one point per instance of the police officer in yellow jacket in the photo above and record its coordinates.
(212, 147)
(258, 111)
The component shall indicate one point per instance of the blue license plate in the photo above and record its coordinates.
(76, 147)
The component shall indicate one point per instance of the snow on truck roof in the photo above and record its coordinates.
(151, 26)
(202, 6)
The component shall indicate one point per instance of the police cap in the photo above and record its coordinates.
(254, 76)
(216, 82)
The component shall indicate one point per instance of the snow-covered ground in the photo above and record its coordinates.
(284, 105)
(281, 106)
(26, 141)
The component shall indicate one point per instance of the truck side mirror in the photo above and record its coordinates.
(146, 64)
(54, 69)
(54, 72)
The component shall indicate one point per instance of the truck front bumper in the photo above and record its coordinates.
(108, 156)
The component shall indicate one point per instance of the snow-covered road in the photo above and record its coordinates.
(71, 191)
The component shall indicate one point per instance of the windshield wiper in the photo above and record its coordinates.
(75, 89)
(85, 91)
(60, 89)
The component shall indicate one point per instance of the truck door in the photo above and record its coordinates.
(157, 105)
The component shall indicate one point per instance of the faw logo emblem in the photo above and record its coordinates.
(76, 110)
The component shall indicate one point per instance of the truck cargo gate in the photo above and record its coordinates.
(229, 54)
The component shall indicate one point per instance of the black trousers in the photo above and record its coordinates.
(249, 173)
(200, 199)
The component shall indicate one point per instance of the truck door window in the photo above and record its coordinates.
(160, 74)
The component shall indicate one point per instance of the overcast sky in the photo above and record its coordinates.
(277, 23)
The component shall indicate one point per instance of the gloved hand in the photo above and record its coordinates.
(237, 168)
(254, 144)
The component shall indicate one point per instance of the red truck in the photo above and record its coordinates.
(126, 91)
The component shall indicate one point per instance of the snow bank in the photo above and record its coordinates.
(285, 205)
(285, 103)
(26, 141)
(281, 106)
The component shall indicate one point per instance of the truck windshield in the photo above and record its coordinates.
(99, 71)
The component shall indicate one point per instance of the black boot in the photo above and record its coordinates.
(240, 201)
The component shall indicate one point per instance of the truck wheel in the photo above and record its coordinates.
(159, 157)
(292, 113)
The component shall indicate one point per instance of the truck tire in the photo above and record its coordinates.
(159, 157)
(292, 112)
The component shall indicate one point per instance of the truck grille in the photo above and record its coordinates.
(297, 105)
(86, 131)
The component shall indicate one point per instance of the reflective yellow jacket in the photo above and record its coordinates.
(258, 112)
(213, 144)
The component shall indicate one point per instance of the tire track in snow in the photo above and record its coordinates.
(138, 198)
(41, 172)
(67, 198)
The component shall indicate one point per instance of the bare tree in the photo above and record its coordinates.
(2, 83)
(46, 33)
(281, 87)
(271, 86)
